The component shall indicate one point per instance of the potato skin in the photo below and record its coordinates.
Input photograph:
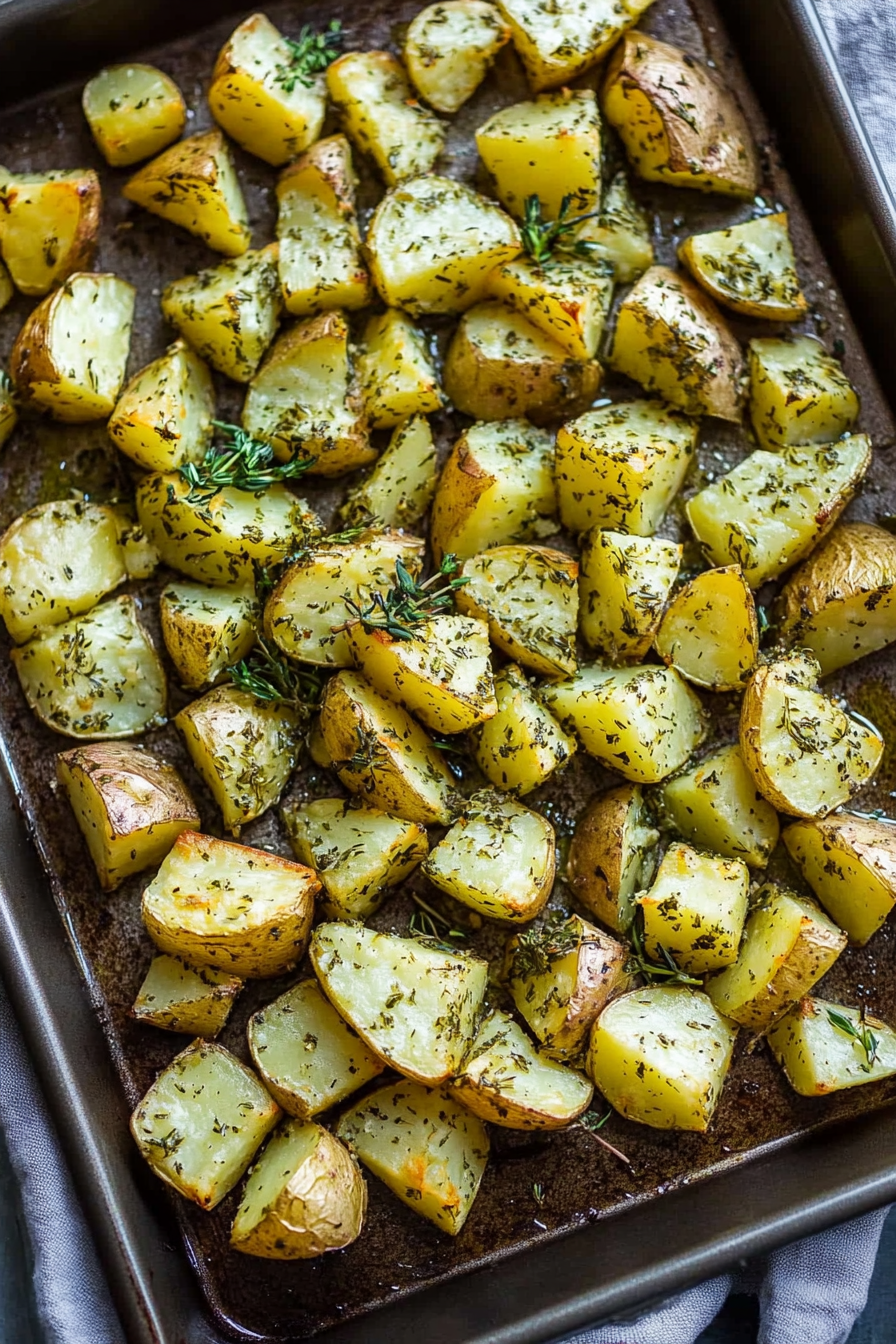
(595, 866)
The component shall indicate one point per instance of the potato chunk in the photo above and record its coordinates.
(9, 414)
(433, 244)
(695, 909)
(622, 465)
(304, 1196)
(567, 300)
(805, 753)
(229, 312)
(358, 852)
(799, 394)
(257, 99)
(823, 1047)
(789, 943)
(175, 997)
(402, 482)
(558, 42)
(810, 488)
(642, 722)
(415, 1005)
(396, 371)
(202, 1121)
(95, 676)
(660, 1055)
(206, 630)
(677, 120)
(710, 632)
(376, 105)
(521, 745)
(498, 858)
(427, 1148)
(133, 111)
(750, 268)
(130, 805)
(549, 148)
(849, 862)
(624, 584)
(164, 415)
(70, 356)
(717, 806)
(529, 597)
(620, 236)
(613, 855)
(449, 48)
(194, 184)
(231, 907)
(49, 225)
(496, 486)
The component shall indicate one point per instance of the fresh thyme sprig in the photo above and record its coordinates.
(309, 55)
(591, 1122)
(244, 462)
(861, 1033)
(541, 236)
(666, 971)
(268, 676)
(536, 949)
(408, 603)
(427, 922)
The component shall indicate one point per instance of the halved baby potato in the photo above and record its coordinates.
(695, 909)
(710, 632)
(799, 393)
(449, 48)
(567, 300)
(823, 1047)
(624, 584)
(558, 43)
(849, 861)
(375, 103)
(194, 184)
(164, 415)
(49, 226)
(133, 111)
(529, 598)
(521, 745)
(717, 806)
(549, 148)
(613, 855)
(396, 371)
(620, 236)
(750, 268)
(178, 997)
(206, 630)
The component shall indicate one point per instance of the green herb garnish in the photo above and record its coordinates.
(861, 1033)
(428, 923)
(245, 463)
(268, 676)
(666, 971)
(537, 949)
(591, 1122)
(540, 236)
(408, 603)
(308, 56)
(538, 1193)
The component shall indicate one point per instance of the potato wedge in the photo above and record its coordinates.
(620, 236)
(613, 855)
(549, 148)
(428, 1149)
(175, 997)
(449, 48)
(710, 632)
(622, 465)
(672, 339)
(529, 597)
(304, 1196)
(308, 1056)
(229, 312)
(660, 1055)
(381, 753)
(396, 371)
(194, 184)
(130, 805)
(230, 907)
(321, 266)
(849, 861)
(497, 486)
(806, 754)
(358, 852)
(506, 1080)
(567, 301)
(245, 749)
(164, 415)
(371, 95)
(134, 111)
(459, 237)
(521, 746)
(49, 226)
(717, 806)
(256, 97)
(823, 1047)
(206, 630)
(695, 909)
(96, 676)
(70, 356)
(810, 487)
(202, 1121)
(642, 722)
(799, 393)
(624, 584)
(499, 365)
(789, 943)
(555, 44)
(415, 1005)
(678, 122)
(750, 268)
(401, 483)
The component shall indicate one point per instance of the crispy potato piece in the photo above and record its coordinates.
(130, 805)
(401, 483)
(568, 300)
(229, 312)
(376, 105)
(396, 371)
(624, 584)
(133, 111)
(849, 861)
(304, 1196)
(823, 1047)
(321, 265)
(194, 184)
(620, 236)
(672, 339)
(805, 753)
(358, 852)
(70, 356)
(621, 466)
(529, 597)
(428, 1149)
(432, 997)
(164, 415)
(799, 393)
(660, 1055)
(49, 226)
(255, 97)
(717, 806)
(549, 148)
(710, 632)
(789, 943)
(95, 676)
(223, 905)
(695, 910)
(9, 415)
(449, 48)
(244, 748)
(496, 486)
(750, 268)
(557, 43)
(678, 122)
(459, 238)
(613, 855)
(202, 1121)
(810, 487)
(379, 751)
(521, 745)
(175, 997)
(206, 630)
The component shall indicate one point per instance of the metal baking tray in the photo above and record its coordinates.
(603, 1241)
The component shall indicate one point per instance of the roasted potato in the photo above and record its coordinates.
(695, 909)
(624, 584)
(849, 861)
(823, 1047)
(521, 745)
(710, 631)
(449, 48)
(194, 184)
(620, 235)
(567, 300)
(49, 225)
(133, 111)
(555, 44)
(549, 148)
(717, 806)
(396, 371)
(375, 103)
(613, 855)
(206, 630)
(529, 597)
(750, 268)
(229, 312)
(175, 997)
(401, 483)
(799, 394)
(164, 415)
(9, 414)
(130, 805)
(677, 120)
(7, 288)
(230, 907)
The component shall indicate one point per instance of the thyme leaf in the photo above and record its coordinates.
(268, 676)
(540, 236)
(537, 949)
(861, 1033)
(309, 55)
(245, 463)
(408, 603)
(428, 923)
(666, 971)
(591, 1122)
(538, 1193)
